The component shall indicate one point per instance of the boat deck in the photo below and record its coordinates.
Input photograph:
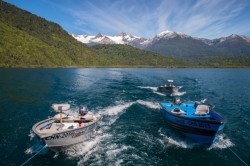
(51, 126)
(187, 110)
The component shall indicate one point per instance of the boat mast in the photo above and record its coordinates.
(170, 82)
(60, 109)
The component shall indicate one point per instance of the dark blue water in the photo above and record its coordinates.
(132, 131)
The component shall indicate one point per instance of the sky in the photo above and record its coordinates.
(145, 18)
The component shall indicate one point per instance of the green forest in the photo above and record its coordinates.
(125, 55)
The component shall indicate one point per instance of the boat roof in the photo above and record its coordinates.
(63, 107)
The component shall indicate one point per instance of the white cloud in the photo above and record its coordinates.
(205, 18)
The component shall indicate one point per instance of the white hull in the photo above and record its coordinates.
(66, 137)
(167, 89)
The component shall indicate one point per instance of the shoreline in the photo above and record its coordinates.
(134, 67)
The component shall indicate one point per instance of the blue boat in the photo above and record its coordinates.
(195, 120)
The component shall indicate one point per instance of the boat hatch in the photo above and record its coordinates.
(202, 110)
(178, 111)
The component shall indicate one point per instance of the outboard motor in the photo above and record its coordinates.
(82, 111)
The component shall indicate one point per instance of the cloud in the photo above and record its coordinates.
(203, 18)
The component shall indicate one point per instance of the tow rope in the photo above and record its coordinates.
(34, 155)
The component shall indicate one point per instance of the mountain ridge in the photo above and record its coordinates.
(177, 44)
(120, 38)
(164, 34)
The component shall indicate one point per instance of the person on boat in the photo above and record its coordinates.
(82, 111)
(177, 101)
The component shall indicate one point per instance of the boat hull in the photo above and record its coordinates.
(202, 131)
(167, 89)
(65, 139)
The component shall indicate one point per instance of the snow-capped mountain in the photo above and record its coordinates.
(232, 37)
(99, 38)
(170, 35)
(176, 44)
(121, 38)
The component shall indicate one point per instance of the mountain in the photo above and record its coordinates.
(27, 40)
(234, 45)
(186, 47)
(178, 45)
(120, 38)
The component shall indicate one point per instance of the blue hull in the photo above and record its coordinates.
(202, 130)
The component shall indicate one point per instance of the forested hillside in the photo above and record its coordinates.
(27, 40)
(125, 55)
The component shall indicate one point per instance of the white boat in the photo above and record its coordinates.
(170, 88)
(62, 131)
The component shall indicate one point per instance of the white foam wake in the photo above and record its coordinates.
(32, 135)
(36, 144)
(114, 110)
(178, 143)
(109, 111)
(154, 89)
(87, 147)
(159, 93)
(115, 150)
(170, 139)
(148, 104)
(173, 140)
(177, 93)
(222, 143)
(148, 87)
(29, 150)
(35, 148)
(94, 146)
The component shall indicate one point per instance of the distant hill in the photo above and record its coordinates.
(125, 55)
(29, 40)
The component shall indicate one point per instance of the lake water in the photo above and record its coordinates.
(132, 131)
